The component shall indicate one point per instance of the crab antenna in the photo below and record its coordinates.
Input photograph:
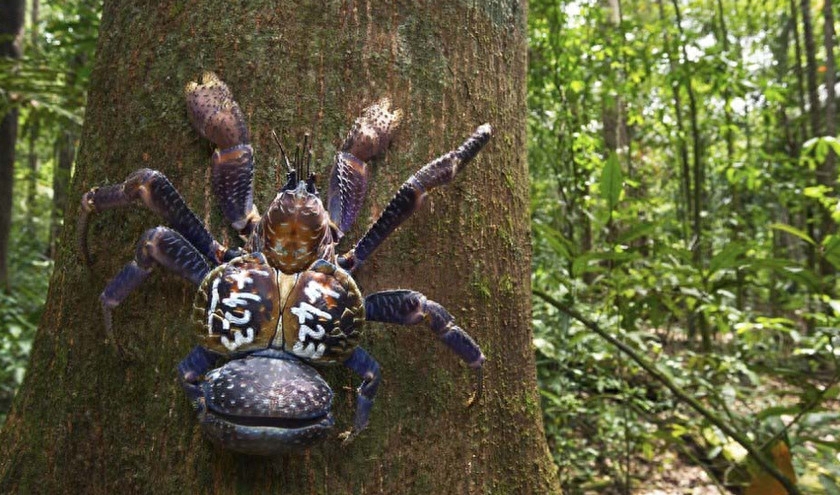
(306, 153)
(308, 161)
(282, 151)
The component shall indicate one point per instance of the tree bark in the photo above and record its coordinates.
(811, 69)
(11, 27)
(65, 153)
(86, 422)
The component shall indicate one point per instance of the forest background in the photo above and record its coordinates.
(684, 199)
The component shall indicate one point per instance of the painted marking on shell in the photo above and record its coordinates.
(311, 351)
(305, 332)
(305, 311)
(238, 339)
(315, 291)
(236, 302)
(214, 301)
(238, 320)
(238, 299)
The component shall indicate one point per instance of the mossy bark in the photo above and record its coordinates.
(86, 422)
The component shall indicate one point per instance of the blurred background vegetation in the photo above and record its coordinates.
(684, 212)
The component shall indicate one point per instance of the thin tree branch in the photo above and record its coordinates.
(682, 395)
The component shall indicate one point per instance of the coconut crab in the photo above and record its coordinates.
(286, 300)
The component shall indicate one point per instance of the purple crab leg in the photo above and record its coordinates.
(162, 246)
(152, 189)
(369, 137)
(191, 369)
(408, 307)
(217, 117)
(365, 366)
(410, 196)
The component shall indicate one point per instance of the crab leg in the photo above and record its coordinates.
(192, 368)
(153, 190)
(365, 366)
(368, 138)
(161, 246)
(408, 307)
(217, 117)
(410, 196)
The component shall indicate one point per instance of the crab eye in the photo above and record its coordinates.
(310, 185)
(291, 181)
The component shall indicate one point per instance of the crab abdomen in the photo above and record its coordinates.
(266, 405)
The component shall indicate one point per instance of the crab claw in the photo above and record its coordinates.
(214, 113)
(372, 132)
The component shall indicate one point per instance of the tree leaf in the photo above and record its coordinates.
(727, 257)
(611, 181)
(793, 231)
(831, 250)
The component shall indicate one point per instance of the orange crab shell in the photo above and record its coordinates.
(237, 306)
(322, 315)
(294, 231)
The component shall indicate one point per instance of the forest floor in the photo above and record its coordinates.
(670, 475)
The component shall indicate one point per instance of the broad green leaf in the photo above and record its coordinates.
(831, 250)
(727, 257)
(611, 181)
(831, 487)
(639, 229)
(793, 231)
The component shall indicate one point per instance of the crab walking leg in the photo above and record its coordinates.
(217, 117)
(410, 196)
(408, 307)
(191, 369)
(365, 366)
(161, 246)
(152, 189)
(369, 137)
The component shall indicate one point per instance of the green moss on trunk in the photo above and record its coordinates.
(85, 422)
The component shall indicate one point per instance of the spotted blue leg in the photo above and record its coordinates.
(154, 191)
(407, 307)
(158, 246)
(365, 366)
(411, 194)
(191, 369)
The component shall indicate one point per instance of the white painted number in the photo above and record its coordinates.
(236, 302)
(305, 312)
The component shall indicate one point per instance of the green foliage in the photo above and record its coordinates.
(48, 86)
(696, 234)
(676, 202)
(21, 309)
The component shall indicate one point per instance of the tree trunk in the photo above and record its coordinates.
(811, 69)
(11, 27)
(65, 153)
(86, 422)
